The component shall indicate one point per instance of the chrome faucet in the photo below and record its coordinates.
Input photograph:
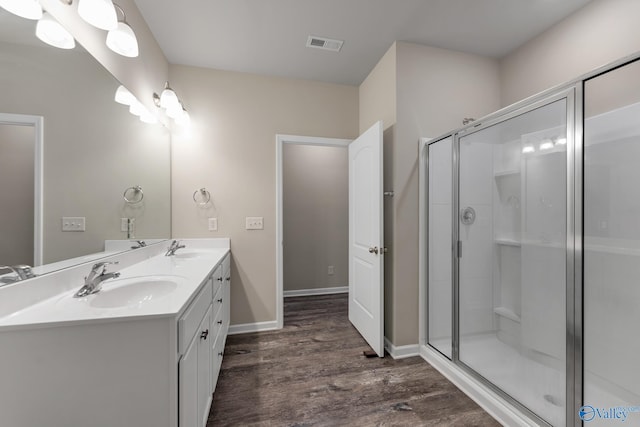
(175, 245)
(21, 271)
(93, 282)
(139, 244)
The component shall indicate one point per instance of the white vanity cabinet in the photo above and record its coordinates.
(201, 347)
(70, 362)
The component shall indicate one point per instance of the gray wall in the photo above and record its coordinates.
(231, 150)
(17, 151)
(315, 216)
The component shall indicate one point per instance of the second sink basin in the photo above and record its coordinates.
(134, 291)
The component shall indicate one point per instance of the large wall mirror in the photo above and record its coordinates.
(93, 150)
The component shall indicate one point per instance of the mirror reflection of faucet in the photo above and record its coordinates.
(21, 271)
(139, 244)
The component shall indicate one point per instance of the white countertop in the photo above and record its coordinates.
(188, 270)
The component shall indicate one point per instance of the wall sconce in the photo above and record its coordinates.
(168, 100)
(122, 40)
(29, 9)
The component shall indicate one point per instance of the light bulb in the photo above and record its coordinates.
(561, 141)
(99, 13)
(147, 117)
(184, 120)
(52, 33)
(123, 41)
(29, 9)
(136, 108)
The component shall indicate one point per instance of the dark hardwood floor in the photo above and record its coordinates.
(313, 373)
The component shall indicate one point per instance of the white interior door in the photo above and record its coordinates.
(366, 286)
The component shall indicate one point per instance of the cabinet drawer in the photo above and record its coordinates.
(189, 322)
(217, 278)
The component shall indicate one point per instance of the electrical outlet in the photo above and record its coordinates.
(330, 270)
(254, 223)
(213, 224)
(73, 223)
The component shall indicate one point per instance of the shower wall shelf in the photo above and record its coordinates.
(508, 313)
(505, 173)
(507, 242)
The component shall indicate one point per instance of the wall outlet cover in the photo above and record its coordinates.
(254, 223)
(73, 223)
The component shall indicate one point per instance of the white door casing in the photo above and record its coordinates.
(366, 246)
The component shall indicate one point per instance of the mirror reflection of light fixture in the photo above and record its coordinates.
(561, 141)
(173, 107)
(528, 149)
(546, 145)
(184, 120)
(52, 33)
(124, 97)
(122, 40)
(99, 13)
(29, 9)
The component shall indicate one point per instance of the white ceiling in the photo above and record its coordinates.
(269, 36)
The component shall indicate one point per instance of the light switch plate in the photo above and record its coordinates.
(124, 225)
(254, 223)
(73, 223)
(213, 224)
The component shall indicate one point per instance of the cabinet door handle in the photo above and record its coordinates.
(219, 279)
(204, 334)
(220, 354)
(229, 279)
(220, 300)
(219, 322)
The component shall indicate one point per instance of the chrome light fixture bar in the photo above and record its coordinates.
(29, 9)
(122, 40)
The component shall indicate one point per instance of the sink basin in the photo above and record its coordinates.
(187, 255)
(134, 291)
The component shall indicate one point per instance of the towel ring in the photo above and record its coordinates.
(205, 196)
(135, 195)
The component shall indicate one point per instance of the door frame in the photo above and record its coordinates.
(281, 140)
(37, 122)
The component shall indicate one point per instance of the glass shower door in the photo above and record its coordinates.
(512, 232)
(611, 311)
(440, 280)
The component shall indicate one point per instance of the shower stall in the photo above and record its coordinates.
(530, 253)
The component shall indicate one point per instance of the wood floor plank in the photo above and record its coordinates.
(313, 373)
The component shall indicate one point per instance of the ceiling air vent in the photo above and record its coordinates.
(324, 43)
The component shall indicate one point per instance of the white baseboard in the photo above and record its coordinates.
(246, 328)
(402, 351)
(505, 413)
(318, 291)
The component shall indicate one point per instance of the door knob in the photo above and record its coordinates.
(373, 250)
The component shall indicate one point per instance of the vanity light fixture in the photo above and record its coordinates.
(173, 107)
(122, 40)
(52, 33)
(99, 13)
(29, 9)
(136, 108)
(147, 117)
(561, 141)
(528, 149)
(124, 97)
(184, 120)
